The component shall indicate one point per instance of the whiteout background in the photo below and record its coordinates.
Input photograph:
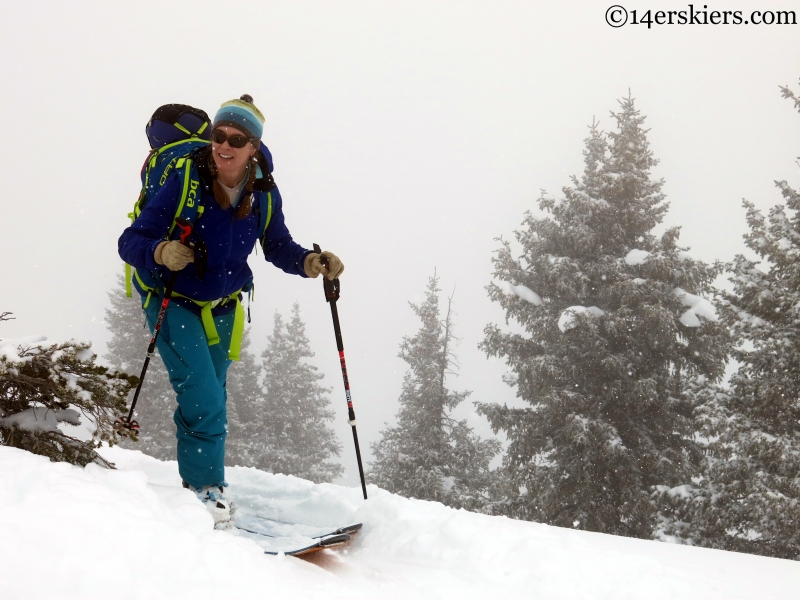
(406, 136)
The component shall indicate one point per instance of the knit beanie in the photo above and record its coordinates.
(242, 114)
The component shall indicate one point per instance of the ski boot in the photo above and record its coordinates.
(216, 500)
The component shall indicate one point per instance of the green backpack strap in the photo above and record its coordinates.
(264, 217)
(189, 133)
(133, 215)
(189, 206)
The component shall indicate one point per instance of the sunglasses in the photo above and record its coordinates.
(235, 141)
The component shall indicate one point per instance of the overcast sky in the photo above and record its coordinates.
(407, 136)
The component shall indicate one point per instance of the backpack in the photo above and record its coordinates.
(175, 132)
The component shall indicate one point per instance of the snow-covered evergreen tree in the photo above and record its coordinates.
(286, 428)
(614, 326)
(127, 348)
(429, 455)
(748, 498)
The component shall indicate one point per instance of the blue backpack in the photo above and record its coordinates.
(175, 132)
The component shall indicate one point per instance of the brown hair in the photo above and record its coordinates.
(222, 198)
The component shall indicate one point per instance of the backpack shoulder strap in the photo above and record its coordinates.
(264, 213)
(264, 186)
(161, 162)
(189, 205)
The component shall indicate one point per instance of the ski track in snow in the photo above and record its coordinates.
(68, 532)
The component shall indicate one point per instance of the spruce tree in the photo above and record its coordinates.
(613, 326)
(126, 351)
(244, 403)
(748, 498)
(429, 455)
(286, 428)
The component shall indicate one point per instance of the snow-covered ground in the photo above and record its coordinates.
(68, 532)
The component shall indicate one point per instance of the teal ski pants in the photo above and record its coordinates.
(198, 373)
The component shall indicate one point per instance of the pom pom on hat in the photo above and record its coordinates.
(241, 114)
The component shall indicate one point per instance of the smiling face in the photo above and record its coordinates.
(231, 162)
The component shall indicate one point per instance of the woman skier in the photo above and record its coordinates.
(203, 324)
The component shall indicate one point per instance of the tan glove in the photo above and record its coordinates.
(313, 265)
(173, 255)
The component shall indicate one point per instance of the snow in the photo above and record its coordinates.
(23, 341)
(41, 419)
(70, 532)
(567, 319)
(636, 257)
(681, 491)
(525, 293)
(752, 319)
(84, 355)
(698, 307)
(9, 348)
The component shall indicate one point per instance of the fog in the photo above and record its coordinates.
(407, 137)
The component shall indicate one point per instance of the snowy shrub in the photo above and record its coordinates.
(45, 384)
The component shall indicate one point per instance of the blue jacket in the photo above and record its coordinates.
(229, 241)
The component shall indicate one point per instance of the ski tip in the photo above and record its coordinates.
(349, 528)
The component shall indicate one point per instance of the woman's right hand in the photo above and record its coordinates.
(173, 255)
(314, 266)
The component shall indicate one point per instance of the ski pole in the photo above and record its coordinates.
(331, 296)
(128, 422)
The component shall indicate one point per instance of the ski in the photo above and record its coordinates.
(274, 528)
(291, 539)
(293, 546)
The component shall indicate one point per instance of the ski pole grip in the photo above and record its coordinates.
(186, 229)
(332, 288)
(322, 258)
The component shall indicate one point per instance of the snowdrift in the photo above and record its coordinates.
(68, 532)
